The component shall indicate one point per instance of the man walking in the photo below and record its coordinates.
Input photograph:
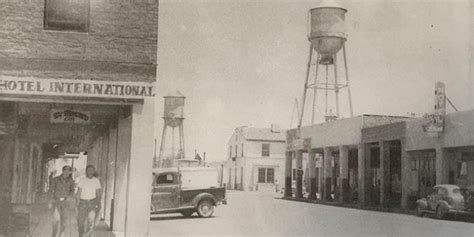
(62, 188)
(89, 194)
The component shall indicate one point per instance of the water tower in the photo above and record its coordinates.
(173, 118)
(327, 37)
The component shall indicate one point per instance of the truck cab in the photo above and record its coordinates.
(186, 190)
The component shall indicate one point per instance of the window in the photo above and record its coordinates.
(236, 150)
(462, 169)
(242, 150)
(70, 15)
(230, 152)
(413, 164)
(266, 175)
(165, 179)
(265, 149)
(261, 175)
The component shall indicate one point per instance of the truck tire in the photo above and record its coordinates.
(205, 208)
(419, 210)
(187, 213)
(440, 213)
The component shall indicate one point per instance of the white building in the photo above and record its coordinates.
(255, 159)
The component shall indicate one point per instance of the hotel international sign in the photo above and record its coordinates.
(78, 88)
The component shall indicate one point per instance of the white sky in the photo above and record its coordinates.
(243, 62)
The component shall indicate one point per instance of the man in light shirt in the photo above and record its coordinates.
(89, 194)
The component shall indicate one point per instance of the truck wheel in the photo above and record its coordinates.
(418, 211)
(187, 213)
(440, 213)
(205, 208)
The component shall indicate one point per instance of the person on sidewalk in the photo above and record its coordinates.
(89, 194)
(62, 189)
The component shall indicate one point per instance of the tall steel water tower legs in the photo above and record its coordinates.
(327, 85)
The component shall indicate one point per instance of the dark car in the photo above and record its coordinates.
(443, 200)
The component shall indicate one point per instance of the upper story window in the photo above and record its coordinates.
(266, 149)
(66, 15)
(242, 150)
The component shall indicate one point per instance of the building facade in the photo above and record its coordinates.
(337, 161)
(77, 76)
(382, 160)
(255, 160)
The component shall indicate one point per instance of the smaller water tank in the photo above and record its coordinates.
(174, 108)
(327, 30)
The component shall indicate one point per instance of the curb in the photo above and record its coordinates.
(353, 206)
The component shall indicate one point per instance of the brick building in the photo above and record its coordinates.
(77, 76)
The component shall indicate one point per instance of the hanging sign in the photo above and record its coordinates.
(70, 116)
(78, 88)
(434, 122)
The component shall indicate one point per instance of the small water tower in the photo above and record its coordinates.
(326, 26)
(173, 118)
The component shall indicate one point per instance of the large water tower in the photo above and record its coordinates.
(173, 118)
(327, 37)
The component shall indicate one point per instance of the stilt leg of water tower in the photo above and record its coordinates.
(347, 80)
(315, 89)
(305, 85)
(172, 143)
(181, 139)
(162, 146)
(336, 85)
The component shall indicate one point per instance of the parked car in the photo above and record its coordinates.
(186, 190)
(443, 200)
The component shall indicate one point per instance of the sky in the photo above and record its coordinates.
(243, 63)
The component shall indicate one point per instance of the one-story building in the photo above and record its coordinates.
(382, 160)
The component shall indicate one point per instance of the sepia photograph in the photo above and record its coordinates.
(144, 118)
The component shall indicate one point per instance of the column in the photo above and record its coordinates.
(384, 149)
(344, 174)
(312, 174)
(121, 163)
(361, 174)
(299, 174)
(442, 166)
(137, 219)
(406, 170)
(288, 169)
(326, 195)
(110, 175)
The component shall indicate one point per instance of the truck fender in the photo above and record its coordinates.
(202, 196)
(423, 203)
(444, 204)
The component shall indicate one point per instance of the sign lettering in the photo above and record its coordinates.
(82, 88)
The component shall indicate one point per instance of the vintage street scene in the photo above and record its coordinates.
(124, 118)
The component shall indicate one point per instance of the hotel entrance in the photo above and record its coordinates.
(38, 137)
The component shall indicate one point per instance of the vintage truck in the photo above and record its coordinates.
(186, 190)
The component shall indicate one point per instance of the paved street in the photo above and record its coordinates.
(257, 214)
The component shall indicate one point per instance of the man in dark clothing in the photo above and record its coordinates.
(62, 189)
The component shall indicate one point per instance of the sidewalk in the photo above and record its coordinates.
(41, 224)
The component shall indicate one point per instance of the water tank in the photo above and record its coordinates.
(174, 108)
(327, 32)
